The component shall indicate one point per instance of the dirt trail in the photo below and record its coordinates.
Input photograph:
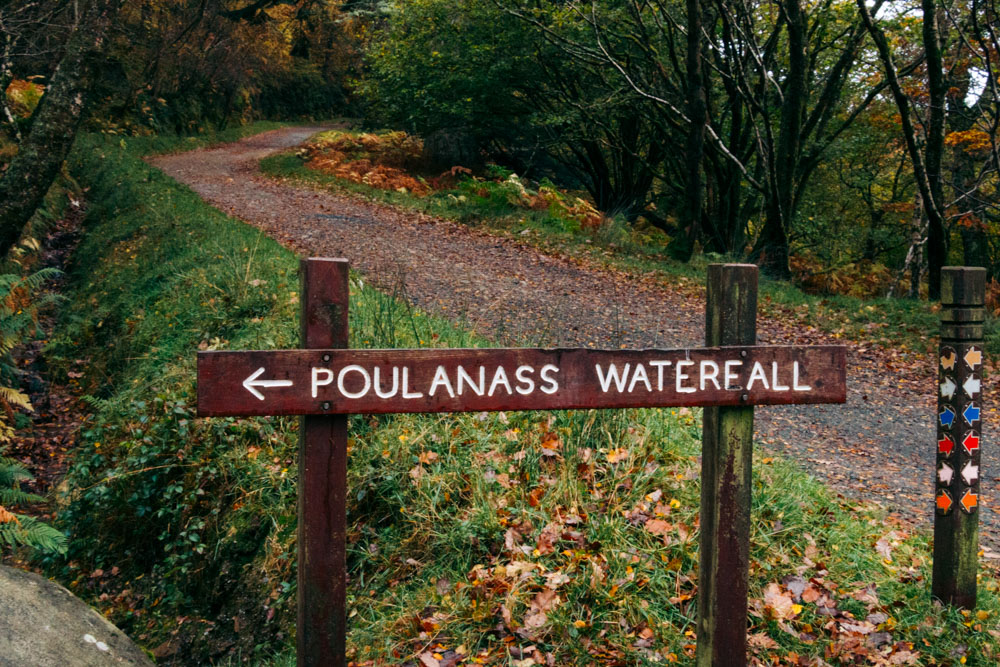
(880, 446)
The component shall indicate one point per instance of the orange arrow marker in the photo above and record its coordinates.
(948, 361)
(969, 500)
(974, 357)
(944, 501)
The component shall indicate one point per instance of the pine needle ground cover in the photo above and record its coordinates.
(563, 538)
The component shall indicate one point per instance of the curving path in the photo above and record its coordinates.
(878, 447)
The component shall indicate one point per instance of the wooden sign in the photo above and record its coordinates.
(959, 427)
(299, 382)
(325, 382)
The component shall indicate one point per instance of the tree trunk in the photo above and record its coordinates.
(772, 247)
(936, 248)
(937, 241)
(695, 148)
(53, 125)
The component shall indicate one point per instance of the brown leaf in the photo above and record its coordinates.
(761, 640)
(778, 603)
(546, 600)
(547, 539)
(659, 526)
(811, 594)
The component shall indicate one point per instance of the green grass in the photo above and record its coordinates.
(458, 524)
(892, 323)
(171, 143)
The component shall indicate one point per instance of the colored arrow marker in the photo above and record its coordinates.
(973, 357)
(970, 414)
(970, 500)
(251, 383)
(943, 501)
(946, 445)
(972, 386)
(971, 442)
(948, 360)
(970, 473)
(947, 417)
(948, 388)
(946, 473)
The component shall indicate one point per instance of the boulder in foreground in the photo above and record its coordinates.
(43, 624)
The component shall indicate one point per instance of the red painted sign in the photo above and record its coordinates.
(946, 445)
(970, 442)
(298, 382)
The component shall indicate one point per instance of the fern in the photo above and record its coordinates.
(19, 530)
(19, 304)
(30, 532)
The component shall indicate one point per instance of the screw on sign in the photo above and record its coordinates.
(325, 382)
(959, 439)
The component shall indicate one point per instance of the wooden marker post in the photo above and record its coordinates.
(727, 449)
(326, 382)
(322, 531)
(959, 432)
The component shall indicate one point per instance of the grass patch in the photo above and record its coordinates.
(152, 144)
(503, 538)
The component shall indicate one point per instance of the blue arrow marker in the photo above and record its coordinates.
(947, 417)
(970, 414)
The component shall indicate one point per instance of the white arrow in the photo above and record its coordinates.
(945, 473)
(948, 388)
(970, 473)
(251, 382)
(972, 386)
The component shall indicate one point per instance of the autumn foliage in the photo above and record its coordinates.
(395, 161)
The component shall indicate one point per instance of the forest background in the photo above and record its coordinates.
(846, 147)
(852, 145)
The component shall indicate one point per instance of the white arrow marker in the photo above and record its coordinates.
(972, 386)
(948, 388)
(945, 473)
(970, 473)
(252, 382)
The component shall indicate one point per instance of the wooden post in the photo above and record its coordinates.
(322, 567)
(959, 429)
(727, 448)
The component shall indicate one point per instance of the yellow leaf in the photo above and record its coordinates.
(7, 517)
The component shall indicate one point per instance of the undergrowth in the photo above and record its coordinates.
(565, 538)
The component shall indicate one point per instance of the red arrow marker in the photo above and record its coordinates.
(943, 502)
(971, 442)
(970, 500)
(946, 445)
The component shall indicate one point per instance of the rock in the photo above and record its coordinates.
(42, 624)
(452, 147)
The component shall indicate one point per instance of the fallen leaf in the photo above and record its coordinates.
(778, 603)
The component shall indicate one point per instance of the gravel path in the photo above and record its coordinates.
(880, 446)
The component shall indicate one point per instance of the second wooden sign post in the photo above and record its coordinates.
(324, 381)
(959, 435)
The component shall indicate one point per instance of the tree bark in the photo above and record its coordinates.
(937, 241)
(53, 125)
(771, 252)
(695, 147)
(935, 216)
